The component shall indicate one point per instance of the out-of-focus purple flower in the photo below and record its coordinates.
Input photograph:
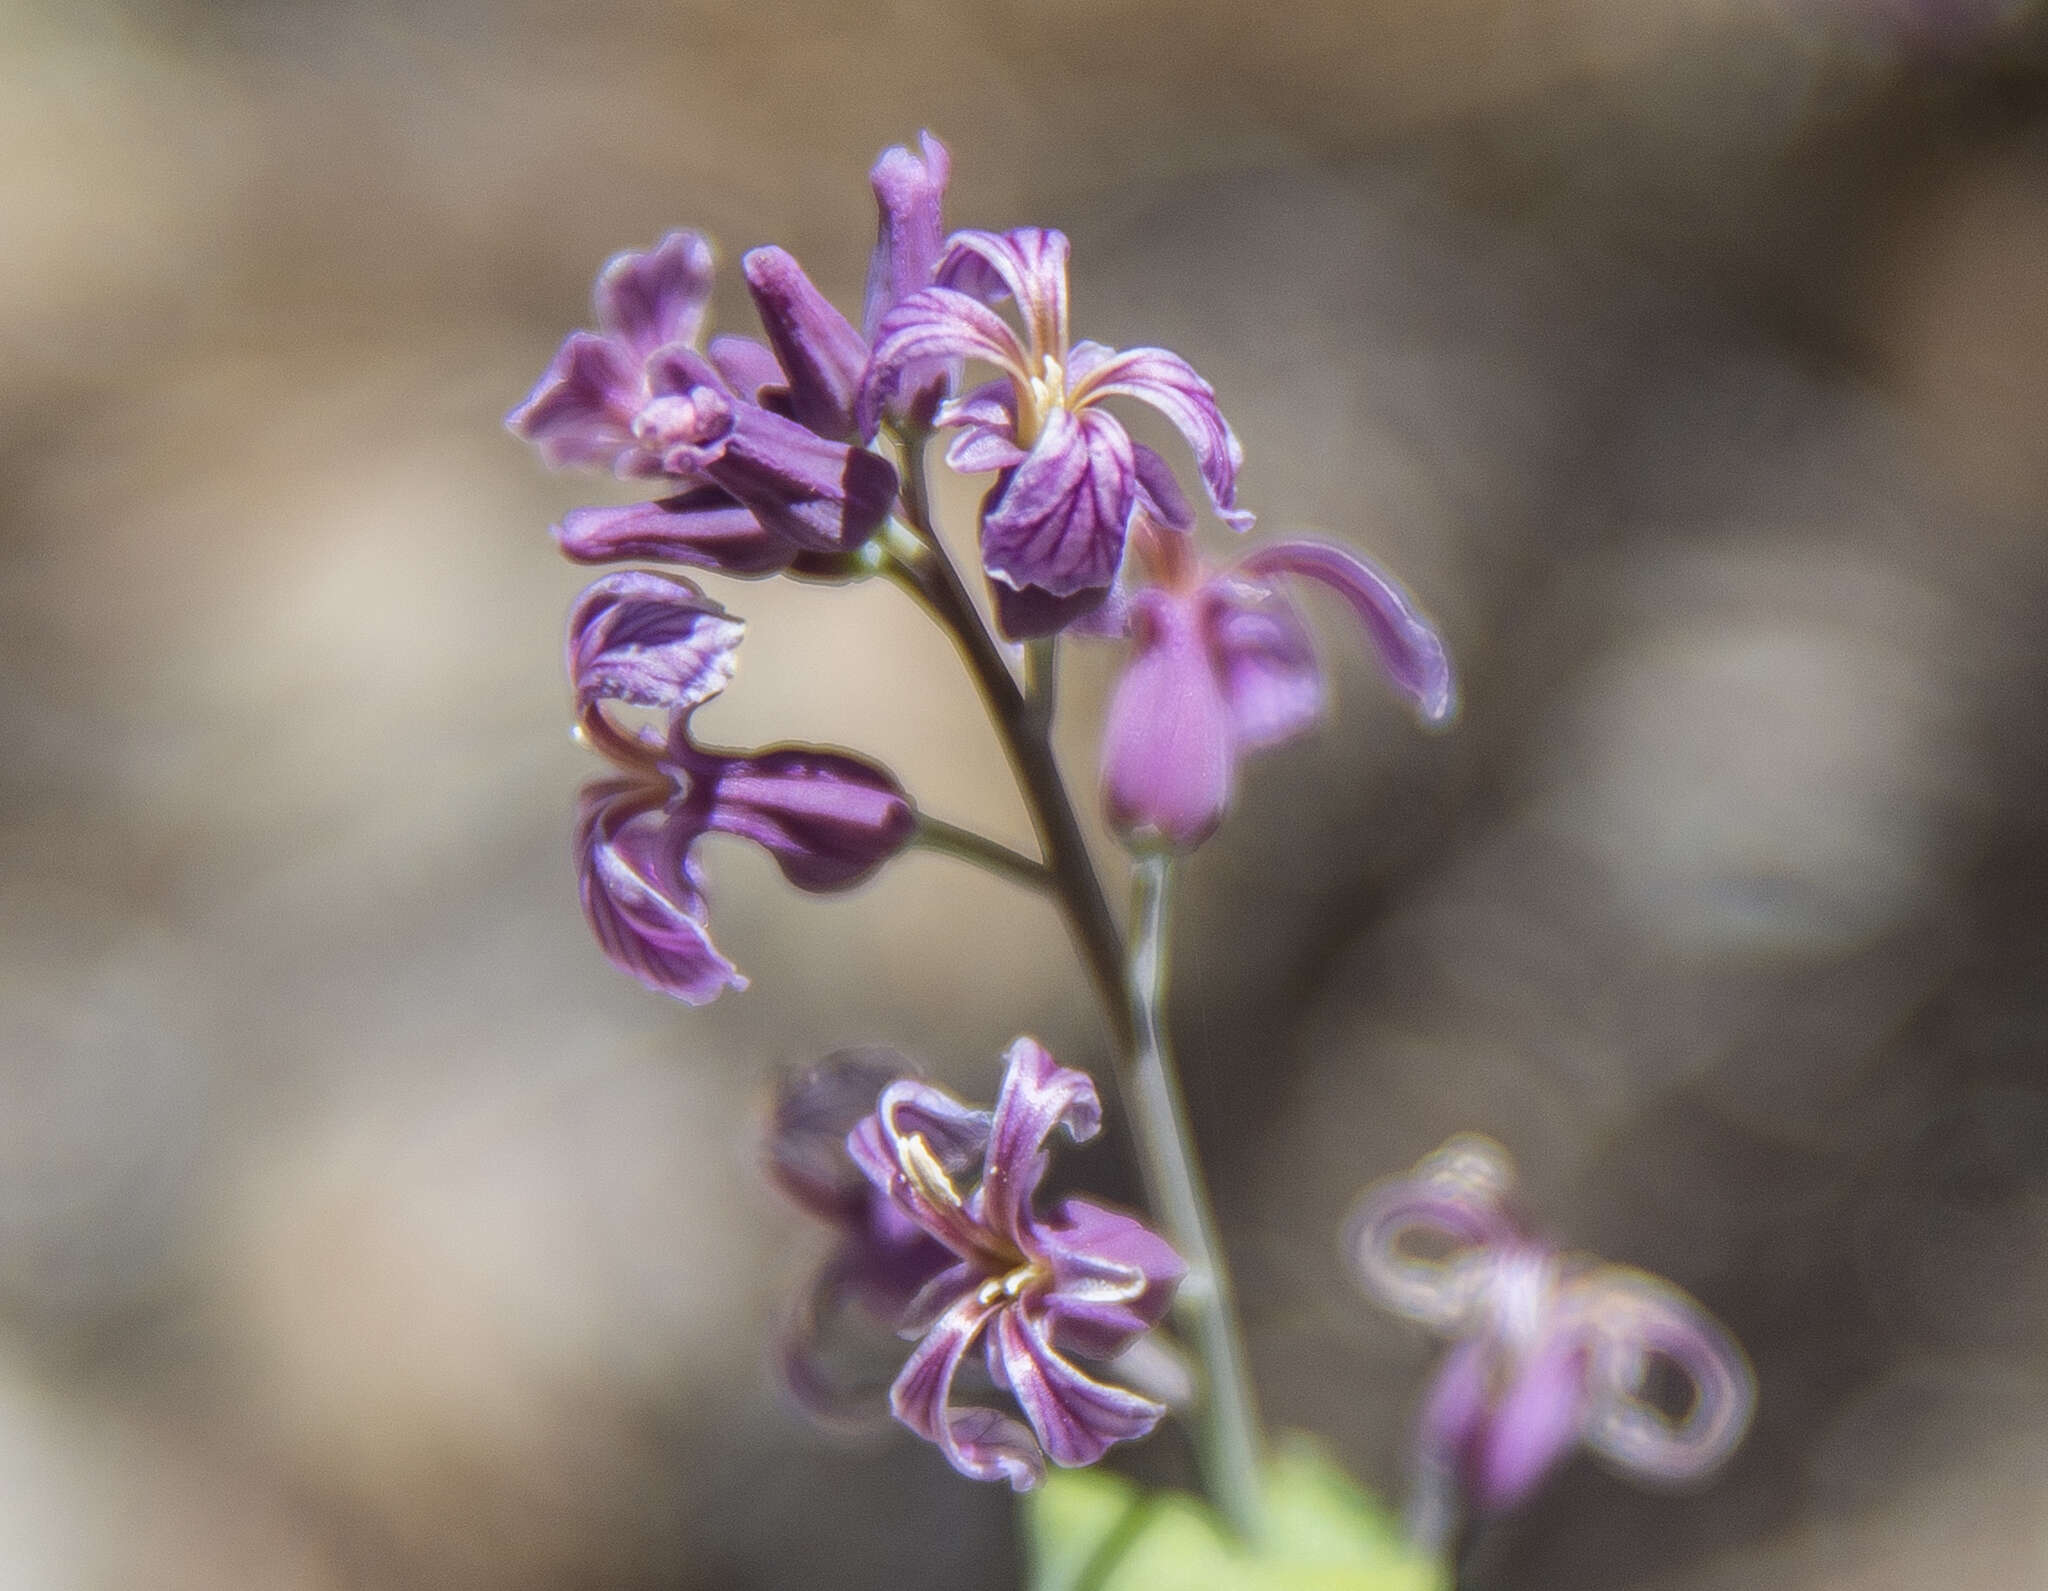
(1069, 476)
(1031, 1290)
(1552, 1350)
(1222, 664)
(882, 1259)
(829, 819)
(758, 440)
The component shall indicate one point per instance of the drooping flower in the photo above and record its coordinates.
(1033, 1291)
(882, 1258)
(1069, 476)
(1553, 1350)
(1222, 665)
(650, 641)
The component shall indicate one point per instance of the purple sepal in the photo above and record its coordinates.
(828, 819)
(1028, 613)
(817, 347)
(1167, 757)
(649, 640)
(1408, 645)
(639, 896)
(747, 367)
(700, 529)
(1031, 1291)
(822, 496)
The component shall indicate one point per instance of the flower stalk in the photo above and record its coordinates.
(1133, 985)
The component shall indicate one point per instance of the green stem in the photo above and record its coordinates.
(1230, 1424)
(949, 839)
(937, 582)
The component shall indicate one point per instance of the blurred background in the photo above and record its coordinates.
(360, 1227)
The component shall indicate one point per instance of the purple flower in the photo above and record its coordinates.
(651, 641)
(758, 440)
(1069, 476)
(1032, 1290)
(882, 1259)
(1552, 1350)
(1222, 665)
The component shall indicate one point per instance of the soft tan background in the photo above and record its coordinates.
(360, 1228)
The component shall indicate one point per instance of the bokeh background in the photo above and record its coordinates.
(359, 1227)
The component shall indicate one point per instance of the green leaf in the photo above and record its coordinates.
(1086, 1530)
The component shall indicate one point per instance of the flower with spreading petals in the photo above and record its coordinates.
(649, 641)
(882, 1258)
(1552, 1350)
(1033, 1291)
(1222, 665)
(1069, 476)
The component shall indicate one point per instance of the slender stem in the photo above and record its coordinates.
(949, 839)
(1133, 992)
(1230, 1422)
(1042, 681)
(939, 586)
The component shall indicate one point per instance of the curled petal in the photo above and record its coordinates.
(828, 819)
(581, 410)
(1453, 1203)
(980, 1443)
(1058, 520)
(910, 191)
(637, 894)
(935, 327)
(1076, 1417)
(1532, 1424)
(1272, 683)
(1028, 265)
(1168, 760)
(1409, 648)
(1112, 1277)
(700, 529)
(817, 346)
(1638, 1320)
(1172, 386)
(914, 1147)
(650, 640)
(1038, 1097)
(647, 299)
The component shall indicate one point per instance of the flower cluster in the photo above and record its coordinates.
(959, 1265)
(1553, 1350)
(776, 453)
